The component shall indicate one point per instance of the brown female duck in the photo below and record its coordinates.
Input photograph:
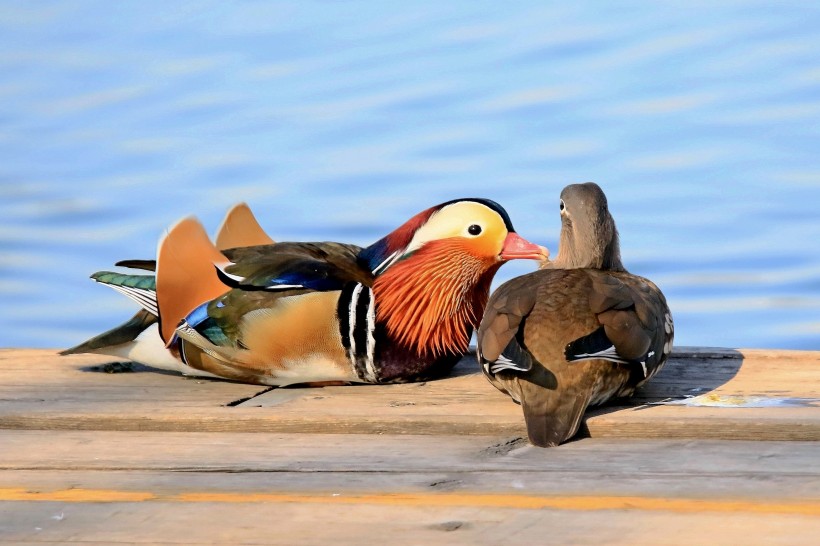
(579, 331)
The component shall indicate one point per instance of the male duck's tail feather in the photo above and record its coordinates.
(124, 333)
(140, 288)
(147, 265)
(239, 228)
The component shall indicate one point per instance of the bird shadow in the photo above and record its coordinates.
(123, 366)
(689, 372)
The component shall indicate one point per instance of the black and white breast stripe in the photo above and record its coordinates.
(357, 323)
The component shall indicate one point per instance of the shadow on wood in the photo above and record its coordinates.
(40, 390)
(689, 373)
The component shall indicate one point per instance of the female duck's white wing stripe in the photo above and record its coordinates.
(606, 354)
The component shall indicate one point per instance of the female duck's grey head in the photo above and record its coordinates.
(589, 237)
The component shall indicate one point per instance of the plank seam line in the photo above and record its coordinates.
(251, 397)
(198, 470)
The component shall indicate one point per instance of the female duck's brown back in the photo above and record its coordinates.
(580, 331)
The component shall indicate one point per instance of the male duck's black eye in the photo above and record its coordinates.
(561, 206)
(474, 229)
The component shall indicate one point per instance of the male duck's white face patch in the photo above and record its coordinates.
(467, 219)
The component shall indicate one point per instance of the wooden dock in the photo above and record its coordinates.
(723, 447)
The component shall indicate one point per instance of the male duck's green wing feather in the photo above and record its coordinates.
(141, 289)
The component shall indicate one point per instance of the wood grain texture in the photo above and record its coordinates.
(153, 458)
(39, 390)
(244, 488)
(290, 523)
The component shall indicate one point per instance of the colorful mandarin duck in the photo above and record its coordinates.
(577, 332)
(402, 309)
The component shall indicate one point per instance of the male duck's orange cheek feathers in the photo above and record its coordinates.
(186, 276)
(431, 301)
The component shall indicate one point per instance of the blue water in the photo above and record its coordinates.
(339, 120)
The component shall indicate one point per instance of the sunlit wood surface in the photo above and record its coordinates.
(143, 457)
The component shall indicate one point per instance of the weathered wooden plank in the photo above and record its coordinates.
(725, 487)
(107, 450)
(303, 523)
(42, 375)
(59, 394)
(705, 422)
(777, 373)
(222, 488)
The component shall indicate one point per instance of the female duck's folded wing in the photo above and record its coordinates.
(635, 323)
(498, 335)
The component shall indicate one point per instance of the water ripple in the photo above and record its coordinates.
(338, 121)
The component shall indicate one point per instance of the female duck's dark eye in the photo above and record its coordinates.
(474, 229)
(561, 206)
